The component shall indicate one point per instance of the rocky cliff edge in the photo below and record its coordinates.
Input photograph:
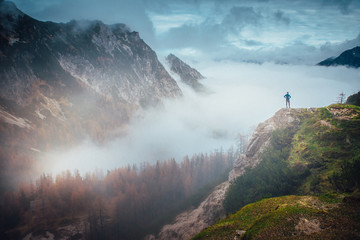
(188, 223)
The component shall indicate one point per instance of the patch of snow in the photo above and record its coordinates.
(35, 150)
(127, 49)
(80, 69)
(54, 108)
(41, 116)
(11, 119)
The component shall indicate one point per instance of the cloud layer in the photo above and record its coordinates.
(241, 95)
(295, 31)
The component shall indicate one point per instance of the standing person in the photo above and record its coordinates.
(287, 97)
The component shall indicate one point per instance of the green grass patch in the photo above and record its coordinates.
(270, 217)
(279, 223)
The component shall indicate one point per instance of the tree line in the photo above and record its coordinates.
(125, 203)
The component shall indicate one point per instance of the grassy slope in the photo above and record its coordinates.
(328, 144)
(291, 217)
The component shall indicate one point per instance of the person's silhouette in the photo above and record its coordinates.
(287, 97)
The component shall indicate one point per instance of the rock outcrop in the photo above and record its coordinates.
(187, 74)
(354, 99)
(187, 224)
(260, 139)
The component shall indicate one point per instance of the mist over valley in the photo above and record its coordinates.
(154, 120)
(240, 95)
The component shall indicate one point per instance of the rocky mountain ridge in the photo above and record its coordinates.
(61, 83)
(349, 58)
(111, 60)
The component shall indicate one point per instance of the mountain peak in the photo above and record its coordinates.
(84, 77)
(349, 58)
(9, 9)
(9, 15)
(187, 74)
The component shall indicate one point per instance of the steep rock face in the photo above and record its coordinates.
(261, 139)
(187, 224)
(349, 58)
(111, 60)
(187, 74)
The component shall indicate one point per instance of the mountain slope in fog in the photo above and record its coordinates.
(349, 58)
(61, 83)
(110, 60)
(187, 74)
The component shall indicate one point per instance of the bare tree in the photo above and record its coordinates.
(341, 98)
(241, 143)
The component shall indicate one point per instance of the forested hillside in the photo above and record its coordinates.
(126, 203)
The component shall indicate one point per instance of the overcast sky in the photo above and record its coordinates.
(296, 31)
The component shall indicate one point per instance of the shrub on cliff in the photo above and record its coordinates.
(271, 177)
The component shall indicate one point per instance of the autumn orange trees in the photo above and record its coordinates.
(126, 203)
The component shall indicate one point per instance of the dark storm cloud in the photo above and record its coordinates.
(212, 35)
(239, 17)
(204, 36)
(333, 50)
(342, 5)
(252, 43)
(298, 52)
(221, 29)
(278, 30)
(281, 18)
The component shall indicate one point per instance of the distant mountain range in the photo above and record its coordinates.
(349, 58)
(187, 74)
(61, 83)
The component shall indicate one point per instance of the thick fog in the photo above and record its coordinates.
(239, 97)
